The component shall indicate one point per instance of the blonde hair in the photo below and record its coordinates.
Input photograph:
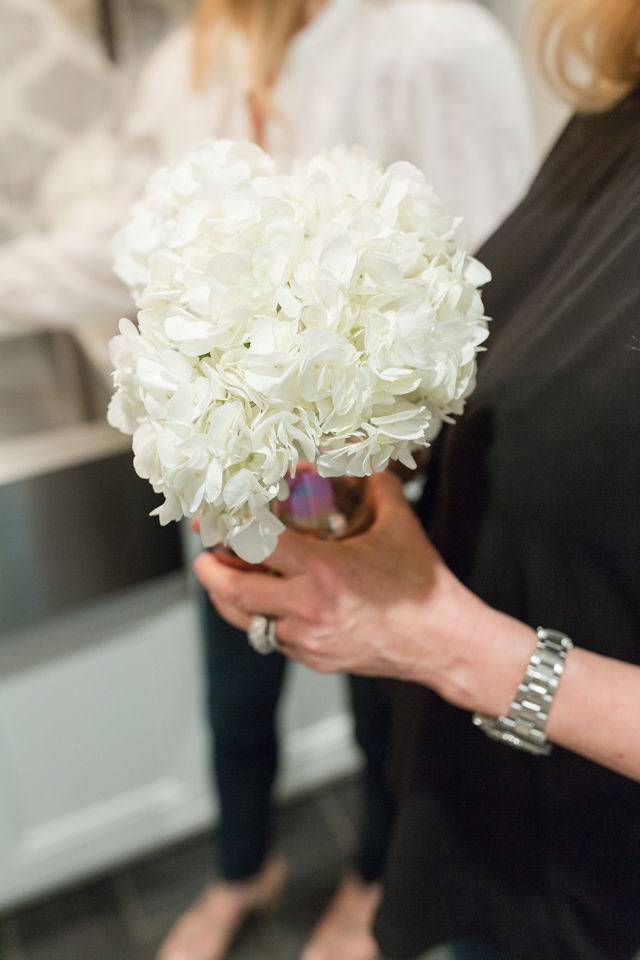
(589, 49)
(269, 26)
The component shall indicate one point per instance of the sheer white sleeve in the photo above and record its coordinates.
(64, 278)
(461, 113)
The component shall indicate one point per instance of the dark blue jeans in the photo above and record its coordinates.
(243, 692)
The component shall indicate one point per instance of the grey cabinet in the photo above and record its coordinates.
(74, 517)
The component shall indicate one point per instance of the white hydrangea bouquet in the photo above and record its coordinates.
(329, 315)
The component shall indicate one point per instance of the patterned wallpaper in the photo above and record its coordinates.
(56, 86)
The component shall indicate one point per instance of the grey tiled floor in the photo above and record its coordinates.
(124, 916)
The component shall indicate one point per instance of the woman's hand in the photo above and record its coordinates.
(382, 603)
(385, 604)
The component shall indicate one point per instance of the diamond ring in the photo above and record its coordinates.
(262, 634)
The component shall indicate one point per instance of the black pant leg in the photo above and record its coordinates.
(372, 712)
(243, 691)
(467, 950)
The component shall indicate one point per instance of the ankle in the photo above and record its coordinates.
(354, 887)
(262, 887)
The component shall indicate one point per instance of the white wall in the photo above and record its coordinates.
(511, 12)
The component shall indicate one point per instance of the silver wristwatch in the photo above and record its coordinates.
(523, 727)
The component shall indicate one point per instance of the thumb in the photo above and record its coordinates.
(384, 491)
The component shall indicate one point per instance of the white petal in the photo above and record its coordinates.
(213, 483)
(238, 489)
(257, 540)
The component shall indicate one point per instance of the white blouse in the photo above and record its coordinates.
(435, 82)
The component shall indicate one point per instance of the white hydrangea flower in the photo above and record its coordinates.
(328, 315)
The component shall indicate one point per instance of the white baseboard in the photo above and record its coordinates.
(89, 840)
(135, 808)
(316, 754)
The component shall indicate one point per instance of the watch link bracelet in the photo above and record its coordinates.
(523, 726)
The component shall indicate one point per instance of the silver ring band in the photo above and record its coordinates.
(262, 635)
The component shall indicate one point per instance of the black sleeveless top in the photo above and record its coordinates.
(537, 509)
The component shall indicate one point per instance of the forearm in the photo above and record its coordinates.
(59, 280)
(64, 277)
(595, 712)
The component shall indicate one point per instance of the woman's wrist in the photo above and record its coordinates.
(503, 656)
(488, 653)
